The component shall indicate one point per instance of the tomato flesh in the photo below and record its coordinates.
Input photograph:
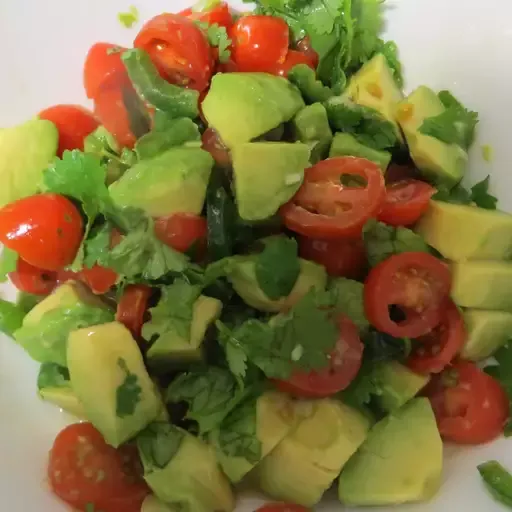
(182, 231)
(304, 46)
(132, 307)
(293, 58)
(30, 279)
(218, 15)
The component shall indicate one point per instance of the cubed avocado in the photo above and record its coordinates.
(400, 461)
(306, 462)
(108, 375)
(244, 106)
(242, 276)
(152, 504)
(461, 232)
(345, 144)
(275, 417)
(442, 163)
(172, 182)
(487, 331)
(482, 285)
(267, 175)
(171, 350)
(25, 151)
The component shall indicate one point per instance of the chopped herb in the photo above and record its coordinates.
(128, 393)
(8, 263)
(52, 375)
(158, 444)
(481, 197)
(128, 19)
(218, 38)
(311, 89)
(11, 317)
(348, 297)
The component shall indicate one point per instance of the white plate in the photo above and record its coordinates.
(463, 45)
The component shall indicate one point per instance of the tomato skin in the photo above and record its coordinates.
(220, 15)
(84, 470)
(405, 202)
(293, 58)
(344, 366)
(216, 148)
(45, 230)
(282, 507)
(416, 282)
(132, 307)
(181, 231)
(99, 279)
(30, 279)
(179, 49)
(472, 409)
(304, 46)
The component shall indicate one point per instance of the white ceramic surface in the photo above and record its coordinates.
(464, 45)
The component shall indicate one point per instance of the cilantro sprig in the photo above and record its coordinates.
(128, 392)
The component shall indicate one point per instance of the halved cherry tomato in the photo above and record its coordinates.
(417, 283)
(324, 208)
(293, 58)
(84, 471)
(99, 279)
(344, 365)
(259, 42)
(344, 257)
(470, 406)
(214, 146)
(219, 14)
(181, 231)
(405, 202)
(179, 49)
(30, 279)
(304, 46)
(73, 122)
(437, 349)
(282, 507)
(102, 64)
(45, 230)
(132, 307)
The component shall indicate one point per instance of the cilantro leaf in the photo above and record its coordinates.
(349, 300)
(235, 354)
(311, 89)
(8, 263)
(218, 38)
(52, 375)
(390, 50)
(368, 23)
(380, 347)
(360, 391)
(456, 195)
(481, 197)
(158, 444)
(11, 317)
(128, 393)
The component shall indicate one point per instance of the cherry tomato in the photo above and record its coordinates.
(405, 202)
(343, 258)
(216, 148)
(30, 279)
(304, 46)
(99, 279)
(179, 49)
(282, 507)
(181, 231)
(83, 471)
(102, 64)
(293, 59)
(417, 283)
(325, 208)
(259, 42)
(470, 406)
(218, 15)
(45, 230)
(73, 122)
(438, 348)
(344, 365)
(132, 307)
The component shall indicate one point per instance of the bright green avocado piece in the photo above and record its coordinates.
(400, 461)
(267, 175)
(25, 151)
(152, 504)
(65, 398)
(172, 182)
(244, 106)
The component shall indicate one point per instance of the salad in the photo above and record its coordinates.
(254, 263)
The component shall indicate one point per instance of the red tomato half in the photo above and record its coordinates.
(30, 279)
(73, 122)
(282, 507)
(132, 307)
(219, 15)
(438, 348)
(83, 471)
(293, 58)
(179, 49)
(99, 279)
(181, 231)
(324, 208)
(216, 148)
(304, 46)
(405, 202)
(417, 283)
(45, 230)
(470, 406)
(344, 364)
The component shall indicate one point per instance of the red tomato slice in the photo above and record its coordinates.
(216, 148)
(304, 46)
(218, 15)
(325, 208)
(344, 366)
(181, 231)
(293, 58)
(179, 49)
(342, 258)
(84, 470)
(405, 202)
(45, 230)
(470, 406)
(99, 279)
(259, 42)
(282, 507)
(30, 279)
(438, 348)
(73, 122)
(417, 283)
(132, 307)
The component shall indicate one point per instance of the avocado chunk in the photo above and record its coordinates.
(243, 106)
(152, 504)
(242, 276)
(172, 182)
(108, 375)
(25, 151)
(397, 384)
(487, 331)
(461, 232)
(442, 163)
(274, 419)
(345, 144)
(482, 285)
(171, 350)
(267, 175)
(311, 126)
(306, 462)
(182, 470)
(400, 461)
